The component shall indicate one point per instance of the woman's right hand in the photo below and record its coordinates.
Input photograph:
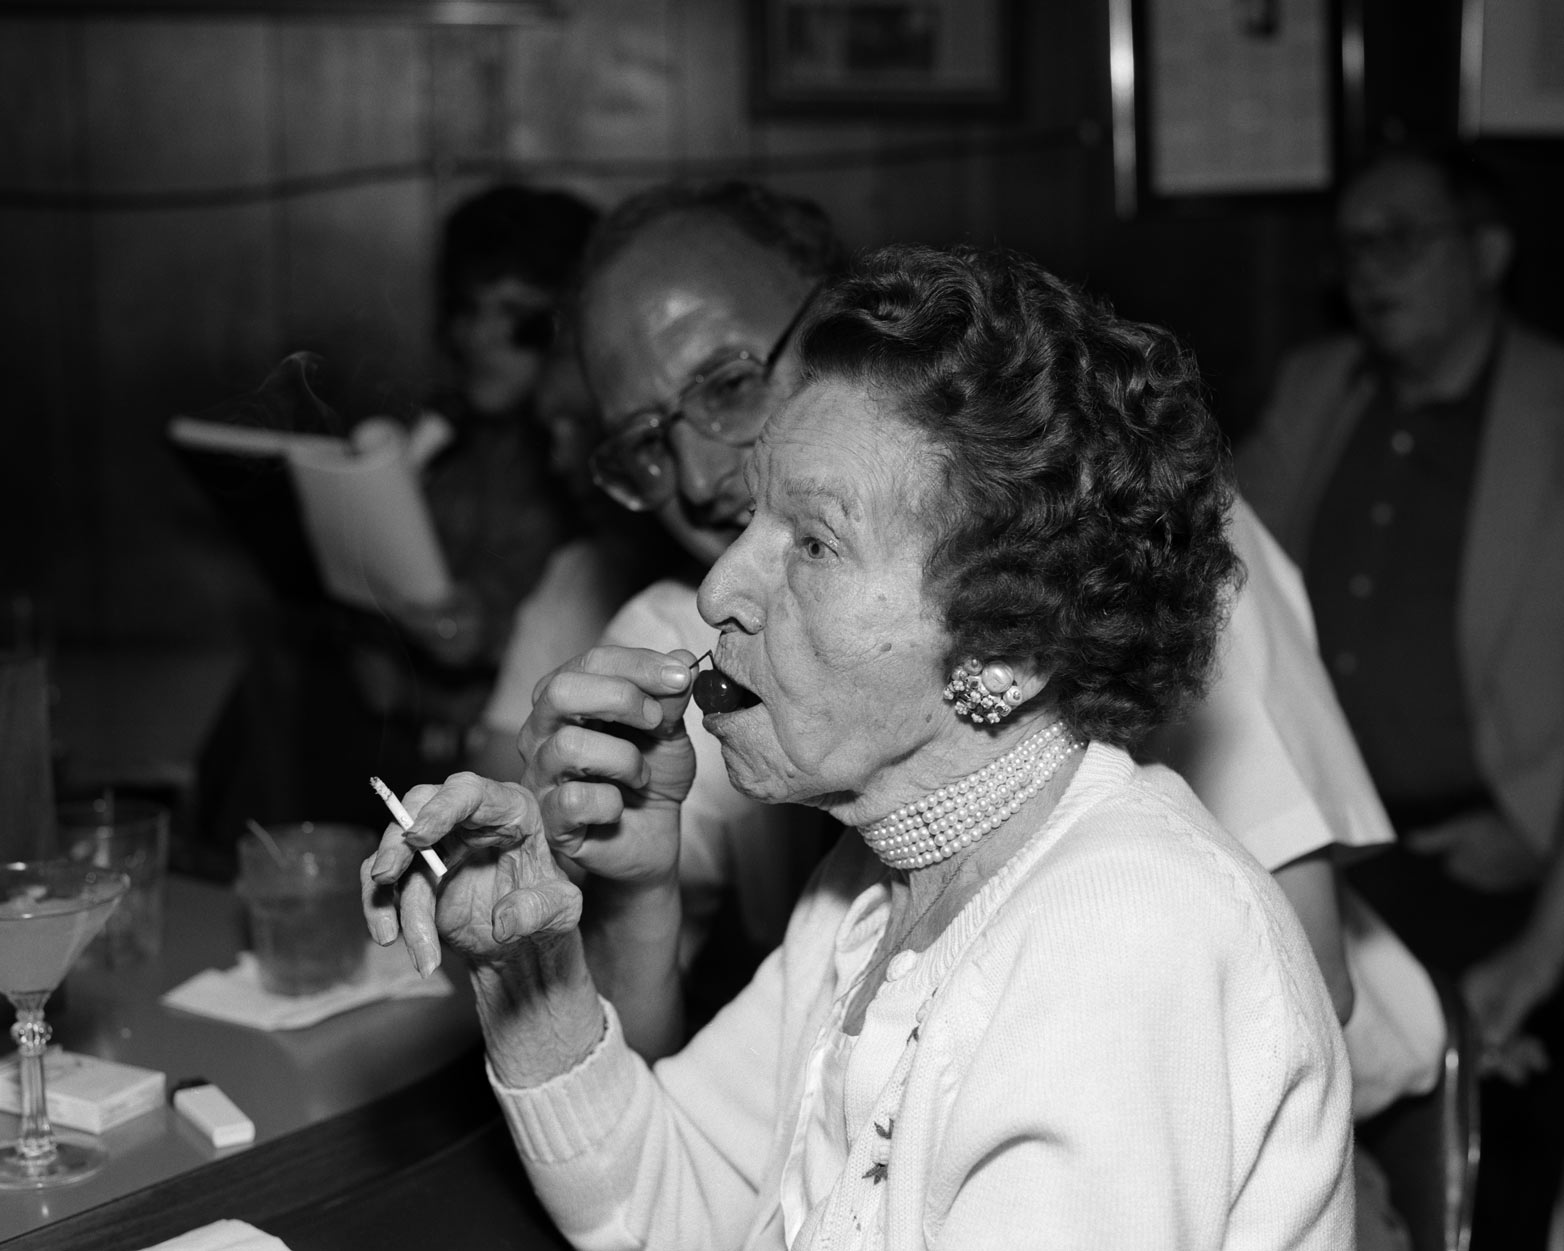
(505, 906)
(501, 891)
(606, 753)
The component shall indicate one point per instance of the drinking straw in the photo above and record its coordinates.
(270, 843)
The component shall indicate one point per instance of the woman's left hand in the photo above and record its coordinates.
(502, 891)
(606, 753)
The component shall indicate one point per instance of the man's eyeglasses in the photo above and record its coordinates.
(728, 402)
(1396, 246)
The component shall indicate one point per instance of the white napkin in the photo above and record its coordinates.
(223, 1236)
(236, 994)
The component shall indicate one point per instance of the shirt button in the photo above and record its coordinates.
(1382, 514)
(1361, 585)
(1401, 442)
(1345, 664)
(901, 964)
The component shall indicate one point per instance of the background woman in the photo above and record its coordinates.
(1035, 997)
(538, 561)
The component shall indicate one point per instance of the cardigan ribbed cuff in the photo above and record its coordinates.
(572, 1113)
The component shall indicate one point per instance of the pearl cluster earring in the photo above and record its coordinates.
(955, 816)
(986, 693)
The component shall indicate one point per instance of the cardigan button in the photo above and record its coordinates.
(902, 963)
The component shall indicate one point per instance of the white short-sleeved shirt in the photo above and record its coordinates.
(576, 596)
(1269, 752)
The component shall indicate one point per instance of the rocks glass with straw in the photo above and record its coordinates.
(301, 888)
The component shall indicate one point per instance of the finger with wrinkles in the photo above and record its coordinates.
(537, 899)
(575, 806)
(657, 673)
(416, 912)
(379, 905)
(674, 704)
(534, 911)
(611, 684)
(394, 856)
(576, 751)
(480, 811)
(572, 695)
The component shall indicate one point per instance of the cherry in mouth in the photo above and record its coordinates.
(715, 691)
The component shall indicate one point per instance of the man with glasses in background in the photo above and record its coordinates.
(1415, 471)
(687, 302)
(722, 401)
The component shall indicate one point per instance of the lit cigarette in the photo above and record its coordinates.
(406, 822)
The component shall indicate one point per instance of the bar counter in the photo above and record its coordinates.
(374, 1127)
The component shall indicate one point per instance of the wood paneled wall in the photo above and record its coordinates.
(183, 201)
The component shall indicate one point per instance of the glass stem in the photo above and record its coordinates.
(35, 1143)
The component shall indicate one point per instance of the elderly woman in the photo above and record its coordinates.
(1035, 996)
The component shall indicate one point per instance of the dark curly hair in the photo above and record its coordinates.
(536, 234)
(1082, 518)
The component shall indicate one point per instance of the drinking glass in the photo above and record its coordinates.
(130, 836)
(49, 911)
(302, 892)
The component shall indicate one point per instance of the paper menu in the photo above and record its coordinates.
(367, 523)
(224, 1235)
(212, 436)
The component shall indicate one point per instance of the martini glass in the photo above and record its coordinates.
(49, 911)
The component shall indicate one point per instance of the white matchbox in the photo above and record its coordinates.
(86, 1093)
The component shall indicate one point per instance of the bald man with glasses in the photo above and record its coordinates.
(727, 401)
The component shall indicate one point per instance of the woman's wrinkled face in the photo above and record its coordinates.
(822, 609)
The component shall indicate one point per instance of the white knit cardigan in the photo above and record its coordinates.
(1125, 1044)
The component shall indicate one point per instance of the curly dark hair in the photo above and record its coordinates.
(794, 228)
(1085, 488)
(536, 234)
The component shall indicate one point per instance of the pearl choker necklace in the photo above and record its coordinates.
(937, 826)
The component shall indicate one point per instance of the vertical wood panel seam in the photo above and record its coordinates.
(433, 177)
(675, 29)
(752, 145)
(84, 404)
(273, 80)
(675, 132)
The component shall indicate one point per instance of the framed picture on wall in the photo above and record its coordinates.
(1220, 98)
(432, 12)
(1512, 67)
(935, 59)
